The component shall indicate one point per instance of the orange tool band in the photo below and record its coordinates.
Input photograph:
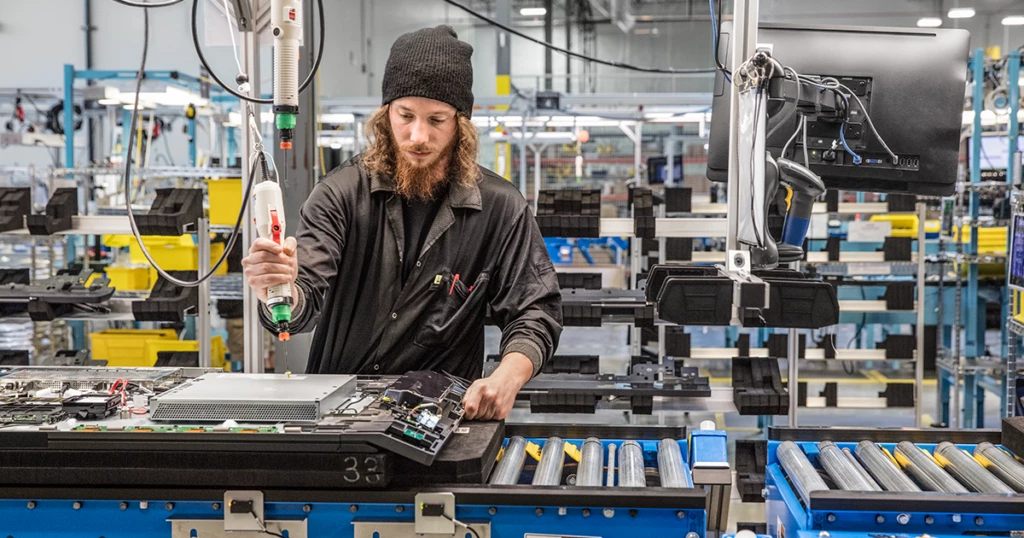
(454, 280)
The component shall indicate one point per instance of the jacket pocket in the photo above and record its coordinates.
(450, 314)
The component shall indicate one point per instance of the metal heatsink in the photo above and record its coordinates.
(253, 398)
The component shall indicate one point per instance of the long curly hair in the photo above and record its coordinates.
(380, 154)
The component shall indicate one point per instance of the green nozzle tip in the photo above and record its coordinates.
(286, 121)
(281, 312)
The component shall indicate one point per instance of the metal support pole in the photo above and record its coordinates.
(191, 142)
(744, 43)
(922, 214)
(203, 318)
(538, 151)
(974, 343)
(69, 116)
(793, 358)
(522, 161)
(252, 327)
(1008, 340)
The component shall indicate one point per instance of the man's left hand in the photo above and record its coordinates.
(492, 398)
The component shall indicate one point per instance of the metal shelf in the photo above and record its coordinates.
(810, 354)
(104, 225)
(153, 171)
(668, 227)
(820, 208)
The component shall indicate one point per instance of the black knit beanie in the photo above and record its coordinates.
(431, 63)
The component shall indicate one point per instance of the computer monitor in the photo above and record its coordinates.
(995, 151)
(1016, 280)
(657, 173)
(912, 82)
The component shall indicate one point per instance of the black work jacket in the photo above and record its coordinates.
(350, 243)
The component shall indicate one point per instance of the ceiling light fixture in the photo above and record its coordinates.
(960, 13)
(929, 22)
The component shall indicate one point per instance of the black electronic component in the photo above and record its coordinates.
(57, 295)
(887, 69)
(238, 506)
(432, 509)
(751, 461)
(699, 295)
(57, 216)
(166, 301)
(569, 212)
(92, 406)
(15, 203)
(897, 249)
(31, 411)
(14, 357)
(174, 212)
(778, 345)
(586, 281)
(757, 387)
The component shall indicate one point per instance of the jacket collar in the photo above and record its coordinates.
(459, 195)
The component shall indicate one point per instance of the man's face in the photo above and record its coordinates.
(424, 131)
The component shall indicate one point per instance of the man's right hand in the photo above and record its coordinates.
(269, 264)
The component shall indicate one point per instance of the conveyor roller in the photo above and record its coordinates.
(591, 463)
(799, 469)
(969, 472)
(631, 465)
(511, 464)
(1001, 464)
(860, 469)
(674, 474)
(882, 469)
(921, 466)
(552, 458)
(845, 475)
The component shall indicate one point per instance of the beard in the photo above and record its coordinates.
(422, 180)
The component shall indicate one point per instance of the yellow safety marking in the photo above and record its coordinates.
(573, 452)
(533, 450)
(887, 453)
(935, 457)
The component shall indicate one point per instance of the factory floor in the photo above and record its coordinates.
(864, 384)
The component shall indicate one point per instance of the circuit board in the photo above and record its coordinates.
(412, 415)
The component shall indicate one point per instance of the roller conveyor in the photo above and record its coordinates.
(883, 469)
(1001, 464)
(924, 470)
(860, 469)
(968, 471)
(800, 470)
(629, 463)
(845, 475)
(986, 506)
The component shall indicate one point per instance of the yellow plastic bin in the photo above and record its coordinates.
(217, 351)
(990, 240)
(906, 225)
(225, 197)
(129, 278)
(172, 253)
(126, 347)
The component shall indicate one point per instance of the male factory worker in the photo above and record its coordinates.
(401, 250)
